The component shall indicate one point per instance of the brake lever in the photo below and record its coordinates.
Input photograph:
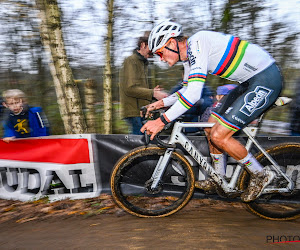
(144, 111)
(163, 144)
(147, 138)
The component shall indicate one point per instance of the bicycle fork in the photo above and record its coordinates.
(164, 160)
(160, 168)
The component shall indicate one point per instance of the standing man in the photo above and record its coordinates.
(135, 91)
(231, 58)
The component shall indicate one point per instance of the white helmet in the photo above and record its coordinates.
(161, 33)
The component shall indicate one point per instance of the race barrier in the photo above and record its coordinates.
(79, 166)
(56, 167)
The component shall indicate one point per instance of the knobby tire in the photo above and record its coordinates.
(130, 183)
(278, 206)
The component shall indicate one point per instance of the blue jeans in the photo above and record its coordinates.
(293, 133)
(135, 124)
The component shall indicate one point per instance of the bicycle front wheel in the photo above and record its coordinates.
(285, 206)
(131, 183)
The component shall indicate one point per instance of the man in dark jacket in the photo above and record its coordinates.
(295, 112)
(135, 90)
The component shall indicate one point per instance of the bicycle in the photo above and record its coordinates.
(157, 181)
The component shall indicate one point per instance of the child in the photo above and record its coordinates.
(22, 120)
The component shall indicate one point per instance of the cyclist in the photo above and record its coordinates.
(231, 58)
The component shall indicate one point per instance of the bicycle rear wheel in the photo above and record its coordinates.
(131, 183)
(278, 206)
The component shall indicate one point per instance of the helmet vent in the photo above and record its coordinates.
(168, 27)
(159, 40)
(159, 29)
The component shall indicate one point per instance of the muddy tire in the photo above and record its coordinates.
(131, 184)
(278, 206)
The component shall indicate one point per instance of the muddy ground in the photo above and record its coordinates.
(99, 224)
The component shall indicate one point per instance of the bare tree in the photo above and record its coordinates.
(66, 89)
(90, 99)
(107, 81)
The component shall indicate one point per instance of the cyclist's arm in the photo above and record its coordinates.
(170, 100)
(196, 80)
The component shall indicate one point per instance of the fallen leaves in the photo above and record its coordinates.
(22, 212)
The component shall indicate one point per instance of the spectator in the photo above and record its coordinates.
(22, 120)
(221, 92)
(135, 90)
(295, 112)
(1, 109)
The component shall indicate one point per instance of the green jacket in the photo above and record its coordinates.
(135, 91)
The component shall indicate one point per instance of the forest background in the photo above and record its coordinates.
(66, 55)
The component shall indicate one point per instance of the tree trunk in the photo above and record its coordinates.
(107, 81)
(67, 91)
(90, 99)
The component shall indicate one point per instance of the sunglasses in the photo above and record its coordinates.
(159, 51)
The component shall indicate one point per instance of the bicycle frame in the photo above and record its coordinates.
(177, 136)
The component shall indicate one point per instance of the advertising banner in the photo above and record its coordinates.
(56, 167)
(110, 148)
(79, 166)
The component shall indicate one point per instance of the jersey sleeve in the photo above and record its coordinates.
(198, 52)
(170, 100)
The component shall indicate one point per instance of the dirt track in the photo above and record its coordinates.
(90, 225)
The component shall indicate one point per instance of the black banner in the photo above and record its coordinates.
(109, 148)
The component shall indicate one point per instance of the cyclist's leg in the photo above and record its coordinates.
(256, 96)
(243, 105)
(221, 139)
(219, 162)
(225, 103)
(219, 158)
(212, 148)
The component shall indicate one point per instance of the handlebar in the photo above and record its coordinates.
(153, 116)
(159, 141)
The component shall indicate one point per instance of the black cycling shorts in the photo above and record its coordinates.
(250, 99)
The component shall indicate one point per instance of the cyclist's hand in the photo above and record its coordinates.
(154, 106)
(153, 127)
